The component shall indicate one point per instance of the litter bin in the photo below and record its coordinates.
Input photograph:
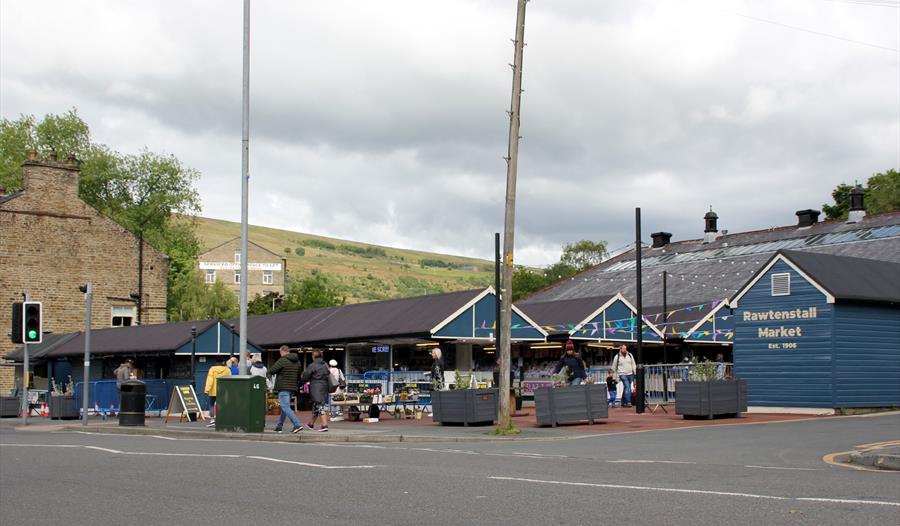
(132, 400)
(241, 404)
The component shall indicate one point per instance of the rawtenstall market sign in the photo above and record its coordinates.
(781, 331)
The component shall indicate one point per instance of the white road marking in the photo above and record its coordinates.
(786, 468)
(195, 455)
(700, 492)
(626, 461)
(307, 464)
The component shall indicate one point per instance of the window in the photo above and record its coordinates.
(237, 278)
(123, 316)
(267, 277)
(237, 257)
(781, 284)
(210, 276)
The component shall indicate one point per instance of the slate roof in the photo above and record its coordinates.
(405, 317)
(49, 342)
(563, 312)
(703, 272)
(164, 337)
(848, 278)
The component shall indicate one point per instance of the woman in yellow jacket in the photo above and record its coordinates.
(212, 384)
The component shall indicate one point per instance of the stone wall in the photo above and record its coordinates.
(51, 242)
(224, 256)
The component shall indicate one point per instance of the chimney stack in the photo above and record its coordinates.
(807, 217)
(710, 233)
(857, 205)
(661, 239)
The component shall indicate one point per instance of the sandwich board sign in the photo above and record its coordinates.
(183, 402)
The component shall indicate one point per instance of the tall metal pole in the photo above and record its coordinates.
(639, 380)
(497, 264)
(140, 298)
(86, 376)
(25, 363)
(665, 318)
(193, 356)
(245, 183)
(504, 420)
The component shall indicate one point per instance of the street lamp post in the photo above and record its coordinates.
(193, 356)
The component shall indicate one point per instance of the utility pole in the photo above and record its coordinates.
(88, 290)
(639, 373)
(504, 420)
(25, 360)
(245, 184)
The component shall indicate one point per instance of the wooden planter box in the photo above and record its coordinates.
(9, 407)
(711, 398)
(465, 406)
(62, 407)
(573, 403)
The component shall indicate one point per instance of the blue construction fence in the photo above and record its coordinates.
(103, 395)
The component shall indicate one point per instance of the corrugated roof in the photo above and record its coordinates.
(848, 278)
(565, 312)
(357, 322)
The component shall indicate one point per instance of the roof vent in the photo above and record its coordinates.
(857, 205)
(781, 284)
(807, 217)
(661, 239)
(711, 230)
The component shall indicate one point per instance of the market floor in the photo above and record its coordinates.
(749, 474)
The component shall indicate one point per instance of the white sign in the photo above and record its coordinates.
(207, 265)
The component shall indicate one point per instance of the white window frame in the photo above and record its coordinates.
(781, 275)
(237, 277)
(268, 277)
(237, 257)
(210, 276)
(122, 311)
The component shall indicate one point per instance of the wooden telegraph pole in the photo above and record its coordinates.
(504, 421)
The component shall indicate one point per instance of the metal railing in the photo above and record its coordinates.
(103, 395)
(660, 379)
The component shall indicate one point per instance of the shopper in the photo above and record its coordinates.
(123, 372)
(437, 370)
(287, 369)
(574, 365)
(212, 386)
(233, 365)
(257, 368)
(337, 376)
(317, 374)
(625, 368)
(611, 387)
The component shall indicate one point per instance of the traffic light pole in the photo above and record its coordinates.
(25, 407)
(88, 289)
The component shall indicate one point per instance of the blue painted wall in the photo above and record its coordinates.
(785, 371)
(866, 355)
(479, 321)
(615, 323)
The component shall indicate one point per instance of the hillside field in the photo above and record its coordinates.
(364, 272)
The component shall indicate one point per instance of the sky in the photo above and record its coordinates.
(385, 122)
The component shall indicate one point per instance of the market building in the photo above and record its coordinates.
(265, 269)
(52, 242)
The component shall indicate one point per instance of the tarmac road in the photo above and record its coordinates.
(745, 474)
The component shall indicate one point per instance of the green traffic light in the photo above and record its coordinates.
(32, 334)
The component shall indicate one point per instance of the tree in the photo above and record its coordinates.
(191, 298)
(525, 281)
(583, 254)
(312, 292)
(882, 194)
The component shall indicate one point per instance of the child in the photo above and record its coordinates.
(611, 387)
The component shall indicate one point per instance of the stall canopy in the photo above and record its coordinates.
(49, 342)
(599, 318)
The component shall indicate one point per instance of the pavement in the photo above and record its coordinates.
(751, 473)
(879, 456)
(413, 430)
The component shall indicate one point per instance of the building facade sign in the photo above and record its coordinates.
(781, 332)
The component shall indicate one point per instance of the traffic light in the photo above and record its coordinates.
(15, 332)
(31, 322)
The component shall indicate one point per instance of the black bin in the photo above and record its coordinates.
(132, 400)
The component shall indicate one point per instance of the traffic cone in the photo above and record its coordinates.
(44, 410)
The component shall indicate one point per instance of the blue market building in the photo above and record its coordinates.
(819, 331)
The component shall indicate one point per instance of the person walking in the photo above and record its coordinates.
(574, 365)
(212, 385)
(337, 376)
(287, 371)
(233, 365)
(625, 367)
(316, 374)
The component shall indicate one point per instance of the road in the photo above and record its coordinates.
(742, 474)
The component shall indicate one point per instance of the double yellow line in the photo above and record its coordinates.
(830, 458)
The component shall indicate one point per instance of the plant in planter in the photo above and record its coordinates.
(465, 405)
(62, 400)
(706, 394)
(570, 403)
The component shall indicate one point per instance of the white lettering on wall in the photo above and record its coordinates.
(207, 265)
(795, 314)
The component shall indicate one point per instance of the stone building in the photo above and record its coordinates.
(52, 242)
(265, 269)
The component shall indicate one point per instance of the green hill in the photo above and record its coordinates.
(365, 272)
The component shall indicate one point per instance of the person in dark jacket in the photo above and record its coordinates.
(574, 365)
(287, 369)
(317, 374)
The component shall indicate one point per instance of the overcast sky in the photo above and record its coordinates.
(385, 122)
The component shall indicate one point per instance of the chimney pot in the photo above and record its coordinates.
(661, 239)
(807, 217)
(71, 160)
(32, 154)
(52, 156)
